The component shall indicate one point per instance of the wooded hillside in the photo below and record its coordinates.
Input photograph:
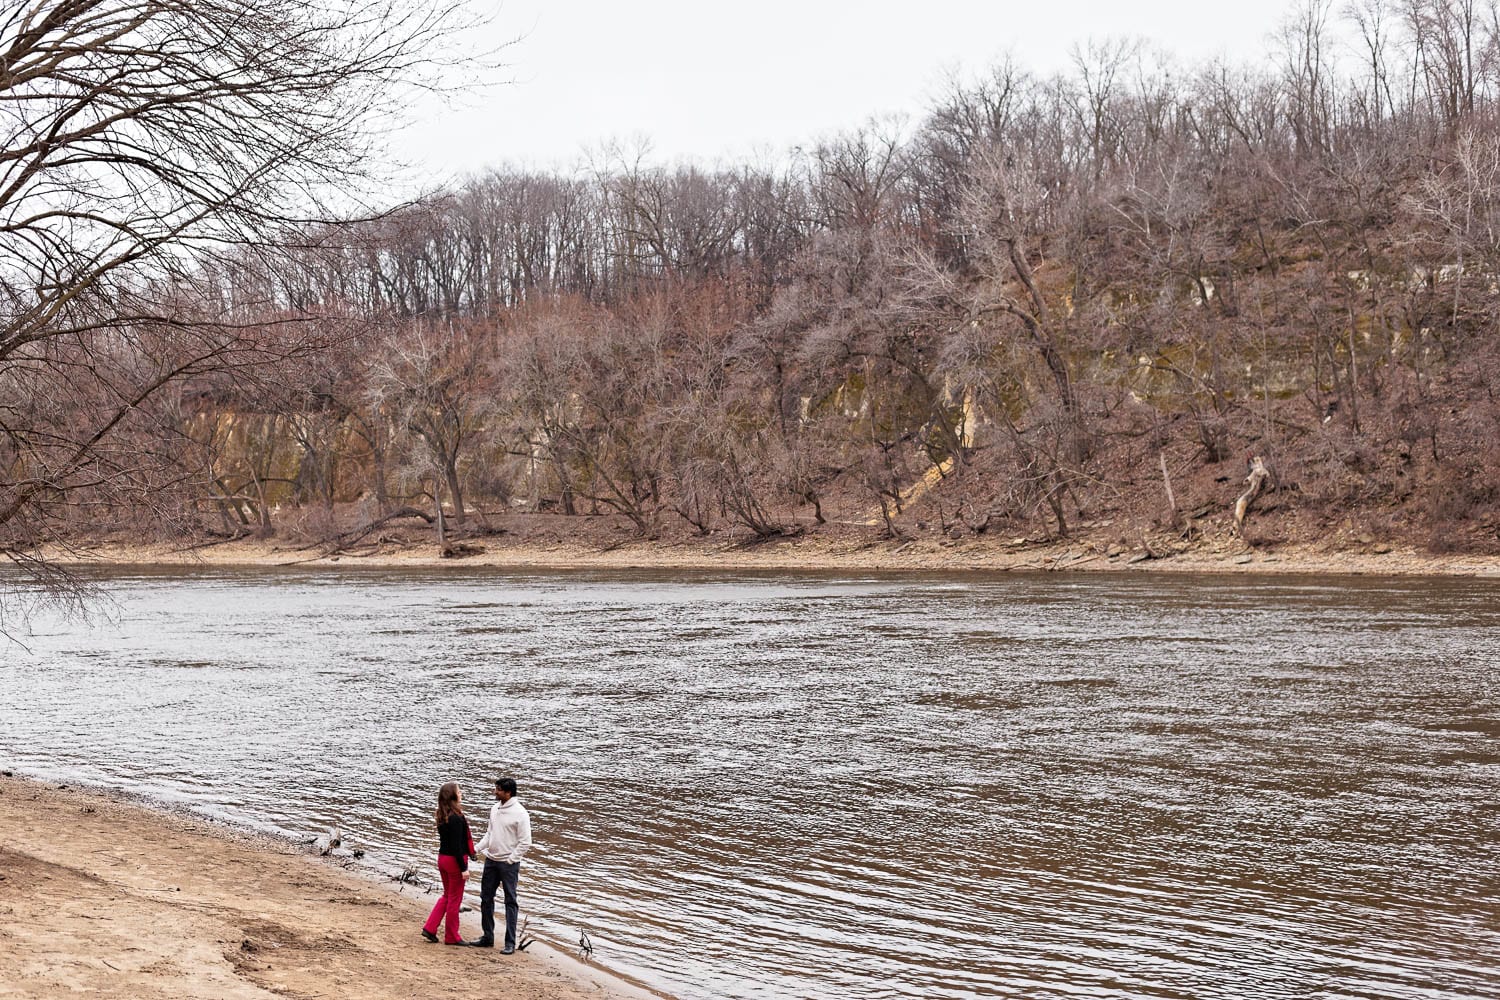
(1052, 303)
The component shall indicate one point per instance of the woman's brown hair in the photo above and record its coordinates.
(448, 803)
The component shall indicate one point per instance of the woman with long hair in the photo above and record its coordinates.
(455, 848)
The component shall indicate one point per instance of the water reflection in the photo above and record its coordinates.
(819, 786)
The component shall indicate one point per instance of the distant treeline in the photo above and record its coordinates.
(1044, 302)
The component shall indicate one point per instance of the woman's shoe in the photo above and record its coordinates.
(431, 937)
(460, 941)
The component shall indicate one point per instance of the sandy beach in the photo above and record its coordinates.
(105, 897)
(1342, 556)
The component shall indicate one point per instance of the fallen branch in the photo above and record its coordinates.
(352, 537)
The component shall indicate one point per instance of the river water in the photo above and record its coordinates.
(827, 786)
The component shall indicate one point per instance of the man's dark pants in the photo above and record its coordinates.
(496, 874)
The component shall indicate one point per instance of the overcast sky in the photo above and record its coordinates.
(714, 82)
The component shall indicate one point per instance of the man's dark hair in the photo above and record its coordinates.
(507, 785)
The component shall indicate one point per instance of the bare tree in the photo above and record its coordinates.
(1375, 21)
(433, 384)
(142, 139)
(1307, 67)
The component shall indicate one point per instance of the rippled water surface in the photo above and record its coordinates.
(831, 787)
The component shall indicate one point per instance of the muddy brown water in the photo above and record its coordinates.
(832, 786)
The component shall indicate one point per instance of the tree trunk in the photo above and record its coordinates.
(1038, 322)
(1166, 482)
(455, 491)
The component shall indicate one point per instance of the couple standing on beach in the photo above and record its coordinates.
(502, 847)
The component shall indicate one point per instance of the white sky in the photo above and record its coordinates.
(712, 82)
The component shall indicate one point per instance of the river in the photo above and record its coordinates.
(834, 786)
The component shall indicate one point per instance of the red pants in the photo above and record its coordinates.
(453, 895)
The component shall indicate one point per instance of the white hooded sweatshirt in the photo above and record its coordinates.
(509, 835)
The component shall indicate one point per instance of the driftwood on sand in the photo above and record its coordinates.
(1255, 484)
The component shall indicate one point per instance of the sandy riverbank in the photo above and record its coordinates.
(108, 898)
(921, 555)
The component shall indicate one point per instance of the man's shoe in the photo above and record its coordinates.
(458, 944)
(482, 943)
(508, 950)
(431, 937)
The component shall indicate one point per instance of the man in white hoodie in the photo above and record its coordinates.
(503, 846)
